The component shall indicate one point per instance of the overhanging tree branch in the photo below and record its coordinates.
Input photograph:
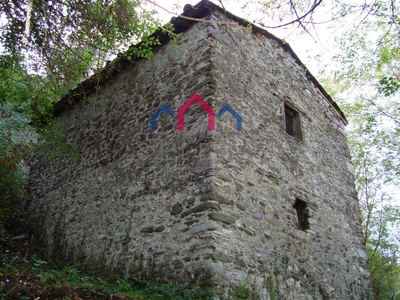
(365, 97)
(312, 9)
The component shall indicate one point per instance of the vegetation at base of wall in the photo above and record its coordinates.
(243, 291)
(25, 275)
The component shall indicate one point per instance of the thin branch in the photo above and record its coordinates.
(315, 5)
(332, 19)
(381, 110)
(300, 22)
(220, 1)
(381, 230)
(358, 25)
(369, 211)
(25, 39)
(159, 24)
(386, 34)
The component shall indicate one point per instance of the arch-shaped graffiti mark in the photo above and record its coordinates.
(238, 118)
(189, 103)
(154, 117)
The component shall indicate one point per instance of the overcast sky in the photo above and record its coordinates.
(303, 45)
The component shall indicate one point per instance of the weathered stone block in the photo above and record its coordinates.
(218, 216)
(204, 226)
(202, 207)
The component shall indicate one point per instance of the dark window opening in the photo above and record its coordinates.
(289, 116)
(292, 122)
(302, 214)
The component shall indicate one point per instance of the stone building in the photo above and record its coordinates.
(219, 162)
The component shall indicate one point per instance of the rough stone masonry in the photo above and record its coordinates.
(270, 204)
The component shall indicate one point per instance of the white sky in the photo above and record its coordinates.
(303, 45)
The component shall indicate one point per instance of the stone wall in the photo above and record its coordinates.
(212, 208)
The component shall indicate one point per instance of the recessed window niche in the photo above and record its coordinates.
(302, 214)
(292, 122)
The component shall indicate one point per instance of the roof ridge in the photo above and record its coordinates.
(181, 23)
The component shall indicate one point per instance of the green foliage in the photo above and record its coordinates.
(38, 279)
(368, 80)
(16, 139)
(273, 289)
(374, 144)
(70, 39)
(172, 291)
(243, 291)
(385, 274)
(367, 77)
(24, 272)
(144, 49)
(388, 85)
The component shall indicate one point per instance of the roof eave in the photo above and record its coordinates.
(181, 24)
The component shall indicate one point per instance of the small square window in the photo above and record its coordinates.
(292, 122)
(302, 214)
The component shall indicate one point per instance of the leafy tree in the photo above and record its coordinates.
(47, 48)
(366, 75)
(374, 146)
(16, 137)
(67, 40)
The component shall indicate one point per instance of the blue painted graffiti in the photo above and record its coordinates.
(154, 117)
(238, 118)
